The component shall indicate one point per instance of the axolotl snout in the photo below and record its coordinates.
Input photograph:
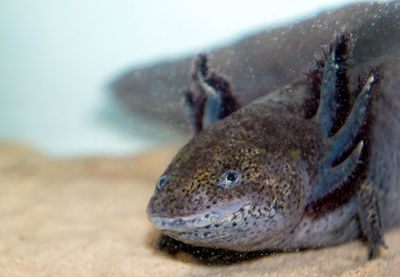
(289, 170)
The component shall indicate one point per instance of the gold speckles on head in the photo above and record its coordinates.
(202, 175)
(294, 154)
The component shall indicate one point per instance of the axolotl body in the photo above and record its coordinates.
(296, 168)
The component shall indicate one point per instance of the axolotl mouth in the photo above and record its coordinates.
(225, 225)
(195, 221)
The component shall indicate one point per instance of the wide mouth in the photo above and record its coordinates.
(187, 223)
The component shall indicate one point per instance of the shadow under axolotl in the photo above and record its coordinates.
(178, 250)
(165, 245)
(207, 256)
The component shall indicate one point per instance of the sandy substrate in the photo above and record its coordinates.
(86, 216)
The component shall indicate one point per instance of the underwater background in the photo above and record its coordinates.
(59, 58)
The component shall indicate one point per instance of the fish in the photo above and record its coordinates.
(309, 165)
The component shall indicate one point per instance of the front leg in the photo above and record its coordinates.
(369, 216)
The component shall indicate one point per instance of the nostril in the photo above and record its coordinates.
(157, 205)
(154, 207)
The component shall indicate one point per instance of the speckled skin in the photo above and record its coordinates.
(277, 145)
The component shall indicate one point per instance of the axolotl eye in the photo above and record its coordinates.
(229, 179)
(161, 182)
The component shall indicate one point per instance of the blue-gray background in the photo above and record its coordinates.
(58, 57)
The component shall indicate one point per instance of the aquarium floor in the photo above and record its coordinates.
(86, 216)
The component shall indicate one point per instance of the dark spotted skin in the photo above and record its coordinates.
(301, 155)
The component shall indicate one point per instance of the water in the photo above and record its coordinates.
(57, 59)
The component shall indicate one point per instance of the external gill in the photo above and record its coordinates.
(332, 177)
(341, 136)
(210, 98)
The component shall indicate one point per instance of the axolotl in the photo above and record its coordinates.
(297, 168)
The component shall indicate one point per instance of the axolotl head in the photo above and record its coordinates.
(231, 187)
